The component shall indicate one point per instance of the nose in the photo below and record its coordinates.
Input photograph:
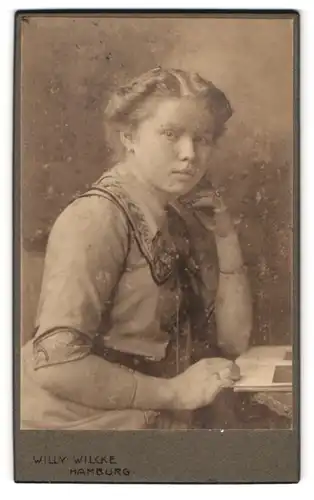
(186, 148)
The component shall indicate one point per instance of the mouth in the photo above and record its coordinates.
(183, 173)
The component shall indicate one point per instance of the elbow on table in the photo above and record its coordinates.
(233, 349)
(235, 345)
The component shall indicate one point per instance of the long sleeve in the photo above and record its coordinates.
(85, 257)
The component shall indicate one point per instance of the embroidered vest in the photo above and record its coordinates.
(160, 252)
(163, 255)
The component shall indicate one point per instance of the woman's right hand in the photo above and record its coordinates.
(199, 385)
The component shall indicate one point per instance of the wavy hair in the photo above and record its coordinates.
(127, 106)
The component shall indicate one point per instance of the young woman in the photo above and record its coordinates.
(128, 297)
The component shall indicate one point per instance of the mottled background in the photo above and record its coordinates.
(68, 67)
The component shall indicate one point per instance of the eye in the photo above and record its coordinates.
(170, 134)
(204, 140)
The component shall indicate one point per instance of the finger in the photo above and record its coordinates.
(227, 384)
(217, 207)
(235, 373)
(223, 383)
(214, 193)
(223, 372)
(203, 202)
(202, 193)
(229, 374)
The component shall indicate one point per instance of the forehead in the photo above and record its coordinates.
(190, 113)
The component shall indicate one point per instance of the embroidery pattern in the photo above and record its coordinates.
(159, 251)
(59, 346)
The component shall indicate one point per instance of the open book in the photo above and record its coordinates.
(265, 368)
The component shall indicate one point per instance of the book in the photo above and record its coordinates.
(265, 368)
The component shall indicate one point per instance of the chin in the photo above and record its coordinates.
(177, 190)
(182, 189)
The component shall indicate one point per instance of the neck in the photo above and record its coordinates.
(160, 197)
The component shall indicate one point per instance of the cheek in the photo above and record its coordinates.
(202, 164)
(151, 144)
(167, 148)
(204, 153)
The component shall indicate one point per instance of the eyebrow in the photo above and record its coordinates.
(171, 125)
(207, 132)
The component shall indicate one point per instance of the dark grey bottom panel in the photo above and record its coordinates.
(157, 456)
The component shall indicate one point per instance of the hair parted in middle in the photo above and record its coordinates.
(128, 104)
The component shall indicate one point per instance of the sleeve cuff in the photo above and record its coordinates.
(60, 346)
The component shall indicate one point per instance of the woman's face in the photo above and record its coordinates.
(172, 147)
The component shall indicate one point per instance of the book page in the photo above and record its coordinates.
(265, 368)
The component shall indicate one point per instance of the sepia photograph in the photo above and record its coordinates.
(156, 201)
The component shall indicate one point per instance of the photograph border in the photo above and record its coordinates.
(189, 456)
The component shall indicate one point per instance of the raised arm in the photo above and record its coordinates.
(233, 306)
(233, 303)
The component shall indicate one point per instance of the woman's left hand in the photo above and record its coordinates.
(210, 209)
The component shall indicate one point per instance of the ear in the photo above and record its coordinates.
(127, 140)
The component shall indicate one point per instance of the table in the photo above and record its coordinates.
(278, 402)
(246, 410)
